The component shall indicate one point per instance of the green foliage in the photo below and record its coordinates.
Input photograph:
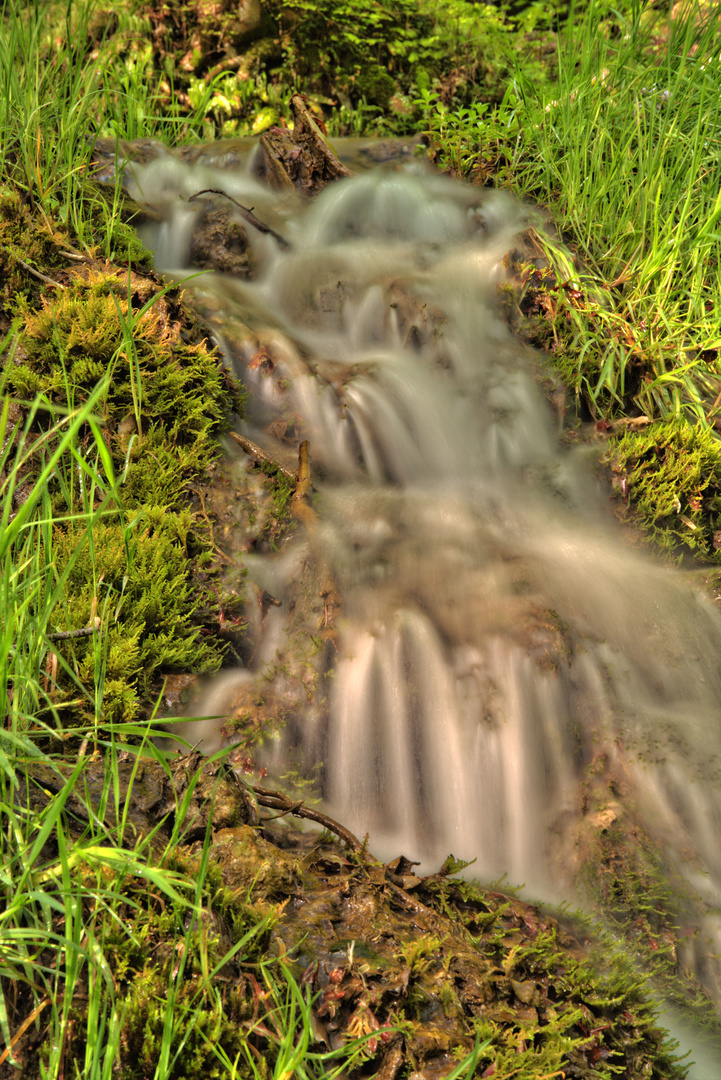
(128, 345)
(142, 962)
(32, 237)
(340, 43)
(634, 99)
(671, 472)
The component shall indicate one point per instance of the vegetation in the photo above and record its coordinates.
(626, 301)
(175, 949)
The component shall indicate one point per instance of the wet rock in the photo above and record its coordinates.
(214, 789)
(389, 151)
(220, 242)
(112, 156)
(251, 866)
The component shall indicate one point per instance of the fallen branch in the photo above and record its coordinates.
(278, 800)
(35, 273)
(66, 635)
(247, 214)
(306, 124)
(254, 451)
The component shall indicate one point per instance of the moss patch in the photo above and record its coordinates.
(635, 885)
(669, 477)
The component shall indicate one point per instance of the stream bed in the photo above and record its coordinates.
(495, 670)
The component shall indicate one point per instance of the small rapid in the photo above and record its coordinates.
(507, 678)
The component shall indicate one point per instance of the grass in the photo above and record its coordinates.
(87, 908)
(622, 151)
(108, 954)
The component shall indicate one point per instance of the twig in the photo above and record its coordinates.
(300, 505)
(254, 451)
(35, 273)
(246, 213)
(73, 255)
(278, 800)
(229, 64)
(65, 635)
(303, 485)
(8, 1051)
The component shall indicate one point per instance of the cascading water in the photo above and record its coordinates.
(508, 677)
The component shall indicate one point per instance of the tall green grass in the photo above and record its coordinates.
(59, 93)
(31, 587)
(623, 151)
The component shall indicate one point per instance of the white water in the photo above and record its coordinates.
(510, 677)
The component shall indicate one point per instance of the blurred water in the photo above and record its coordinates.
(509, 678)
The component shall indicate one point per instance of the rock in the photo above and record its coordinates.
(220, 242)
(251, 866)
(150, 797)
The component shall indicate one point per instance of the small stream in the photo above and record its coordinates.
(508, 679)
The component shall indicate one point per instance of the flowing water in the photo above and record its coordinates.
(507, 678)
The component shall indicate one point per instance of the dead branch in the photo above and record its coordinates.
(306, 124)
(66, 635)
(254, 451)
(278, 800)
(35, 273)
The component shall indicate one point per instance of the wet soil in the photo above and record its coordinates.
(426, 968)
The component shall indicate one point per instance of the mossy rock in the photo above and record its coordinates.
(376, 86)
(37, 251)
(129, 327)
(141, 568)
(669, 475)
(637, 888)
(30, 248)
(135, 579)
(423, 970)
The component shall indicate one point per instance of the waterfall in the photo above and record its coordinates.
(507, 676)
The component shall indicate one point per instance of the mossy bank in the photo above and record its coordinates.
(79, 327)
(241, 947)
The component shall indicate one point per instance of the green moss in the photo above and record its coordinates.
(548, 1009)
(91, 329)
(29, 242)
(197, 1035)
(644, 899)
(112, 218)
(158, 955)
(376, 86)
(167, 401)
(670, 474)
(136, 579)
